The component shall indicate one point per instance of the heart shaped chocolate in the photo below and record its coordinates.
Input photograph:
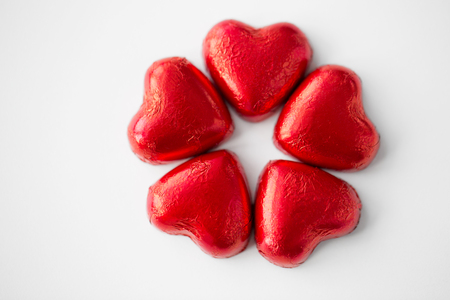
(206, 199)
(256, 69)
(324, 123)
(182, 114)
(297, 207)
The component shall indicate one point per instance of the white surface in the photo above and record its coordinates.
(73, 221)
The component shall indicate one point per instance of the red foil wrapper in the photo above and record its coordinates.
(256, 69)
(182, 114)
(324, 123)
(206, 199)
(297, 207)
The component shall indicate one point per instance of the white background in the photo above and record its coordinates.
(73, 221)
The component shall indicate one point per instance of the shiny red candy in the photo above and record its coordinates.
(299, 206)
(182, 114)
(206, 199)
(256, 69)
(324, 124)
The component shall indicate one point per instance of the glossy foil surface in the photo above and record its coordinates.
(297, 207)
(206, 199)
(324, 123)
(182, 114)
(256, 69)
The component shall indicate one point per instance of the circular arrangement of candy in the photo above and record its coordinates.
(322, 124)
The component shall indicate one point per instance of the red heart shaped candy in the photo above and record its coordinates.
(206, 199)
(182, 114)
(297, 207)
(324, 124)
(256, 69)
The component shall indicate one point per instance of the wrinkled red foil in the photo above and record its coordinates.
(182, 114)
(324, 123)
(256, 69)
(206, 199)
(297, 207)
